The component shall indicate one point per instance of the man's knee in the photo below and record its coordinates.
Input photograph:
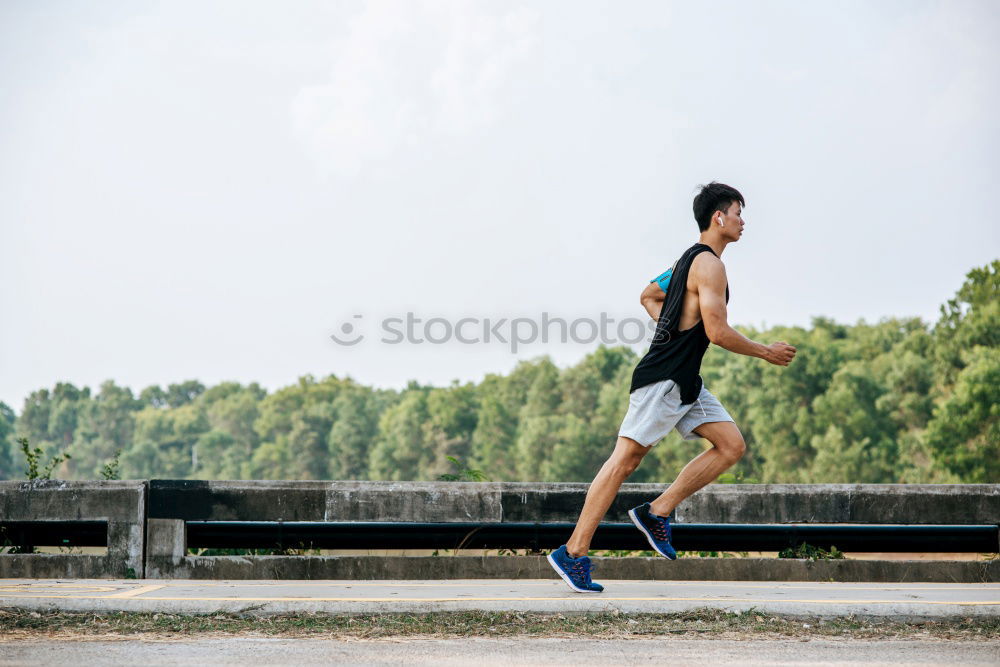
(734, 450)
(732, 447)
(726, 439)
(627, 456)
(624, 464)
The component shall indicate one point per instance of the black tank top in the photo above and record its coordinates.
(676, 355)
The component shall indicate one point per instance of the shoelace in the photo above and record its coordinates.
(661, 529)
(580, 571)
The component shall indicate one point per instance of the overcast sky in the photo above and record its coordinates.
(210, 190)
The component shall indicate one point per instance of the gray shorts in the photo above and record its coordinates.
(656, 408)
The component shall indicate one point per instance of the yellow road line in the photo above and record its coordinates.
(92, 589)
(138, 590)
(521, 599)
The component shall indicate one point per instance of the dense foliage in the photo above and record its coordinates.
(897, 401)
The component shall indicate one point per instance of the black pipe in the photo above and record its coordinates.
(686, 537)
(29, 534)
(524, 535)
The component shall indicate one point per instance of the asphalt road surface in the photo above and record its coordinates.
(506, 652)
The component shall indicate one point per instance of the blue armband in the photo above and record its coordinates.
(663, 279)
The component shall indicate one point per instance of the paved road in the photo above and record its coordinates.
(506, 652)
(901, 601)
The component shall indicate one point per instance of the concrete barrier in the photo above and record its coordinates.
(147, 522)
(122, 504)
(173, 502)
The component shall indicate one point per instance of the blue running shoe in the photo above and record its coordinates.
(574, 571)
(655, 528)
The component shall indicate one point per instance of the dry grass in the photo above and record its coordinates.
(18, 624)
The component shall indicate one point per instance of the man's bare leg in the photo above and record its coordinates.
(727, 448)
(622, 463)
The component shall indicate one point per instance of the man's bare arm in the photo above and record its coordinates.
(652, 299)
(710, 276)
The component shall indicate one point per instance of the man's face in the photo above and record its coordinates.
(732, 221)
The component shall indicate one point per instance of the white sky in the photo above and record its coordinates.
(209, 190)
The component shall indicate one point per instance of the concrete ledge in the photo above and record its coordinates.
(56, 566)
(844, 503)
(259, 500)
(435, 502)
(536, 567)
(122, 503)
(61, 500)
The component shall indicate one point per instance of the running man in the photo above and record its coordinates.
(688, 302)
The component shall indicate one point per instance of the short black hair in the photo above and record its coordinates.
(711, 198)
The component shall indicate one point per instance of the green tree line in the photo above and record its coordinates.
(897, 401)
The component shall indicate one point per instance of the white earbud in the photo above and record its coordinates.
(721, 223)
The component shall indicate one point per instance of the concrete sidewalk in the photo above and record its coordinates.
(899, 601)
